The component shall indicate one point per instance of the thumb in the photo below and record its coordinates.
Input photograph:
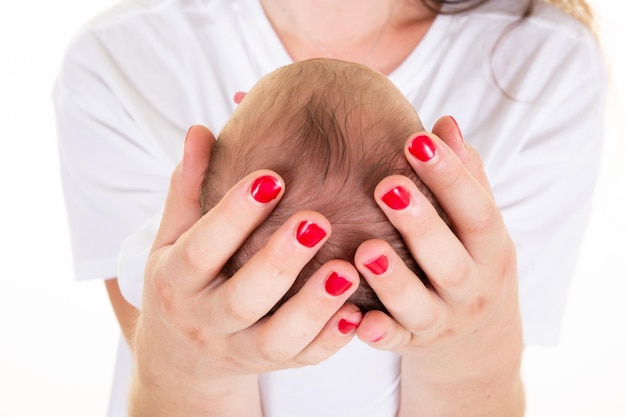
(182, 207)
(447, 129)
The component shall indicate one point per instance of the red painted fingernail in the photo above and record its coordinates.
(378, 265)
(397, 198)
(423, 148)
(309, 234)
(336, 284)
(346, 326)
(458, 129)
(266, 188)
(239, 95)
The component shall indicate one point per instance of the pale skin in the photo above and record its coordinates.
(460, 341)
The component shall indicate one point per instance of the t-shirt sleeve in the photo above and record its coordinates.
(545, 191)
(114, 173)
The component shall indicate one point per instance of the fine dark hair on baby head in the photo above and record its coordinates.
(332, 130)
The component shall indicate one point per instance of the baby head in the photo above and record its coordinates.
(332, 130)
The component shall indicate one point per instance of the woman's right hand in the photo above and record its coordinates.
(201, 339)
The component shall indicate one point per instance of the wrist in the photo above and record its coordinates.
(172, 397)
(498, 397)
(480, 377)
(176, 382)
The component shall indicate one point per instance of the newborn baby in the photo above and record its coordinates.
(332, 130)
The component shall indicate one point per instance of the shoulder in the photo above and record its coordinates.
(133, 10)
(496, 36)
(143, 20)
(545, 19)
(542, 47)
(125, 10)
(135, 35)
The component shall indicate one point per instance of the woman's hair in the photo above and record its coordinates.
(580, 9)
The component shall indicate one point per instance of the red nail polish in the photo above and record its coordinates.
(397, 198)
(266, 188)
(379, 265)
(309, 234)
(336, 284)
(239, 95)
(423, 148)
(346, 326)
(458, 129)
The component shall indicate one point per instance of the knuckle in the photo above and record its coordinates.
(272, 352)
(309, 359)
(508, 261)
(278, 266)
(458, 275)
(195, 257)
(283, 266)
(427, 319)
(399, 340)
(477, 306)
(486, 217)
(237, 311)
(165, 298)
(158, 282)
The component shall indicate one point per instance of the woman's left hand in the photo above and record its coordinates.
(460, 336)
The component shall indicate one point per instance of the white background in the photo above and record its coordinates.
(58, 337)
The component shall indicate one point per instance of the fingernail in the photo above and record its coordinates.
(458, 129)
(397, 198)
(309, 234)
(379, 265)
(422, 148)
(266, 188)
(188, 131)
(238, 97)
(377, 339)
(336, 284)
(344, 326)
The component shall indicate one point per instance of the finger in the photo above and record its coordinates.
(262, 281)
(181, 206)
(473, 214)
(408, 299)
(199, 254)
(383, 332)
(431, 242)
(337, 333)
(448, 130)
(302, 319)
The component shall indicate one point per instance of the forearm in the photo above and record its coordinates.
(499, 392)
(233, 398)
(170, 381)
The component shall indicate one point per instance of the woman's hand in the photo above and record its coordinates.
(202, 339)
(459, 337)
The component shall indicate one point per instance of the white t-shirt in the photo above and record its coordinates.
(528, 97)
